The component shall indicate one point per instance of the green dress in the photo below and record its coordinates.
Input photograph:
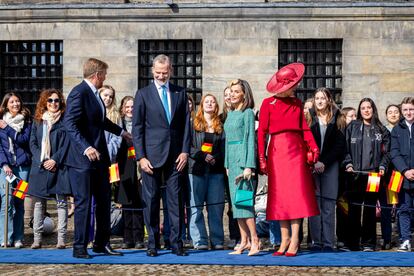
(240, 153)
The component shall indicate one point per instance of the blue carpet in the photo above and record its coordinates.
(54, 256)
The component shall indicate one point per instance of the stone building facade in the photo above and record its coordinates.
(240, 39)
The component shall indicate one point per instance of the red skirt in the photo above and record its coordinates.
(291, 191)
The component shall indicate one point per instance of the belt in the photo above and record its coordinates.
(235, 142)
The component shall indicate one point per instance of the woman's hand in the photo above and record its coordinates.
(262, 165)
(350, 169)
(7, 170)
(247, 173)
(319, 167)
(210, 159)
(3, 124)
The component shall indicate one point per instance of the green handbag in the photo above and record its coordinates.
(244, 197)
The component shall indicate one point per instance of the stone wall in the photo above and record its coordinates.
(238, 42)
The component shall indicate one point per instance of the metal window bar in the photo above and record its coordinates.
(323, 63)
(28, 67)
(186, 57)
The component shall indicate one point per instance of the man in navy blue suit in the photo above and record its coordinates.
(88, 159)
(161, 136)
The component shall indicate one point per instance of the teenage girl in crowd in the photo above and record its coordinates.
(368, 143)
(15, 159)
(322, 120)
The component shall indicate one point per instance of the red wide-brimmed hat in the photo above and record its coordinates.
(287, 77)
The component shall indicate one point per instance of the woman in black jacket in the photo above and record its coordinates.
(322, 119)
(206, 172)
(48, 175)
(368, 144)
(129, 191)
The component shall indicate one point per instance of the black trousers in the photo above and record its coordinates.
(84, 184)
(133, 224)
(361, 234)
(151, 194)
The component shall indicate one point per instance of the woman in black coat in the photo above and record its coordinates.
(367, 150)
(49, 144)
(129, 191)
(322, 120)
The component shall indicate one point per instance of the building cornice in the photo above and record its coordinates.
(316, 11)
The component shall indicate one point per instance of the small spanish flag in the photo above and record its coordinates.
(131, 153)
(21, 189)
(395, 181)
(207, 148)
(392, 197)
(114, 173)
(343, 205)
(373, 182)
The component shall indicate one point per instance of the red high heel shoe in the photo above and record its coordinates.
(289, 254)
(281, 253)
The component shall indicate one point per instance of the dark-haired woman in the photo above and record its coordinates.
(322, 120)
(368, 144)
(15, 159)
(48, 176)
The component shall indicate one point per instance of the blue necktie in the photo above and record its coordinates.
(165, 103)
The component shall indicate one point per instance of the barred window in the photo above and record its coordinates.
(186, 57)
(27, 67)
(323, 63)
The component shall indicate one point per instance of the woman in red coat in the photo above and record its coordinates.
(291, 151)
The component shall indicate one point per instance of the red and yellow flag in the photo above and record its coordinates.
(114, 173)
(395, 181)
(392, 197)
(131, 153)
(21, 189)
(373, 182)
(207, 148)
(343, 205)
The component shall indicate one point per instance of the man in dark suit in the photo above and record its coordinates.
(161, 136)
(88, 159)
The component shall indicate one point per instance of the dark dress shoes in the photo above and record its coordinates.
(81, 254)
(107, 250)
(179, 251)
(152, 252)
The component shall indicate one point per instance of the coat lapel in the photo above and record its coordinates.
(157, 101)
(174, 100)
(99, 106)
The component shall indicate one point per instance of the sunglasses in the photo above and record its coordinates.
(53, 100)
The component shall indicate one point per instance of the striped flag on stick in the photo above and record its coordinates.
(114, 173)
(21, 189)
(373, 182)
(131, 153)
(395, 181)
(392, 197)
(207, 148)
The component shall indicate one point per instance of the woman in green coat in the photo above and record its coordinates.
(240, 160)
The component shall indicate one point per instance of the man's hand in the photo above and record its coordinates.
(7, 170)
(181, 161)
(127, 136)
(93, 154)
(145, 165)
(409, 174)
(3, 124)
(50, 165)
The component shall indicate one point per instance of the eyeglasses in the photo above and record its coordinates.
(53, 100)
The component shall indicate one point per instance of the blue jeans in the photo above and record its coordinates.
(269, 229)
(209, 189)
(406, 201)
(16, 207)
